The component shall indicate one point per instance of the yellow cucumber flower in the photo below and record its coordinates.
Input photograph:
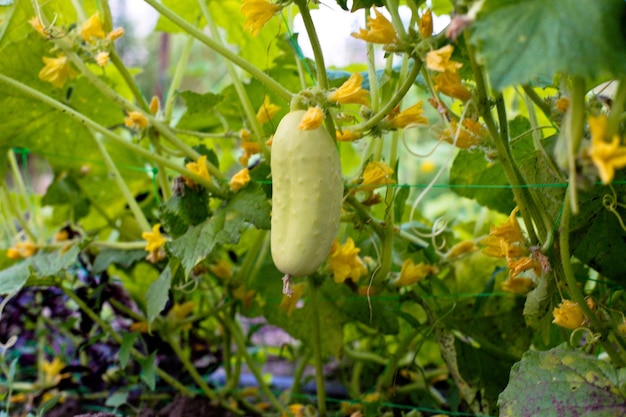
(439, 60)
(92, 28)
(115, 34)
(21, 250)
(375, 175)
(380, 30)
(345, 262)
(518, 285)
(199, 167)
(568, 315)
(499, 247)
(57, 71)
(257, 14)
(426, 24)
(36, 24)
(410, 116)
(471, 134)
(510, 230)
(607, 157)
(519, 265)
(240, 180)
(249, 148)
(266, 111)
(102, 58)
(351, 92)
(312, 119)
(348, 135)
(221, 269)
(461, 248)
(449, 83)
(154, 240)
(135, 120)
(412, 273)
(155, 105)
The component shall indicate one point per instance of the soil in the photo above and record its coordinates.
(179, 407)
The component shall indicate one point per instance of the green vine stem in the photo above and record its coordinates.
(322, 79)
(184, 358)
(28, 196)
(572, 286)
(539, 102)
(15, 213)
(393, 7)
(244, 99)
(119, 181)
(118, 339)
(317, 348)
(128, 79)
(242, 350)
(393, 101)
(575, 124)
(522, 197)
(177, 79)
(119, 140)
(265, 79)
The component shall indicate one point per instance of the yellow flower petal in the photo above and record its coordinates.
(449, 83)
(380, 30)
(312, 119)
(266, 111)
(92, 28)
(257, 14)
(426, 24)
(607, 157)
(199, 167)
(345, 262)
(412, 273)
(154, 240)
(136, 119)
(289, 302)
(57, 71)
(102, 58)
(439, 60)
(240, 180)
(410, 116)
(36, 24)
(351, 92)
(568, 315)
(348, 135)
(375, 175)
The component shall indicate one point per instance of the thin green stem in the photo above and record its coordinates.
(119, 181)
(298, 374)
(265, 79)
(119, 140)
(317, 349)
(242, 350)
(575, 124)
(128, 79)
(193, 372)
(106, 327)
(21, 185)
(572, 285)
(305, 13)
(392, 102)
(177, 79)
(392, 7)
(14, 212)
(539, 102)
(242, 94)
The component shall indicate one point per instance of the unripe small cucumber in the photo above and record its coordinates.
(307, 192)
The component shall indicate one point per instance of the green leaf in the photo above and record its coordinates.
(474, 176)
(365, 4)
(187, 9)
(521, 40)
(64, 190)
(402, 194)
(148, 374)
(200, 111)
(252, 204)
(181, 211)
(562, 382)
(122, 258)
(50, 264)
(128, 340)
(158, 294)
(12, 279)
(116, 399)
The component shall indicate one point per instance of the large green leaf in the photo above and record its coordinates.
(521, 40)
(563, 382)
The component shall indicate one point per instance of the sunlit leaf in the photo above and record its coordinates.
(520, 40)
